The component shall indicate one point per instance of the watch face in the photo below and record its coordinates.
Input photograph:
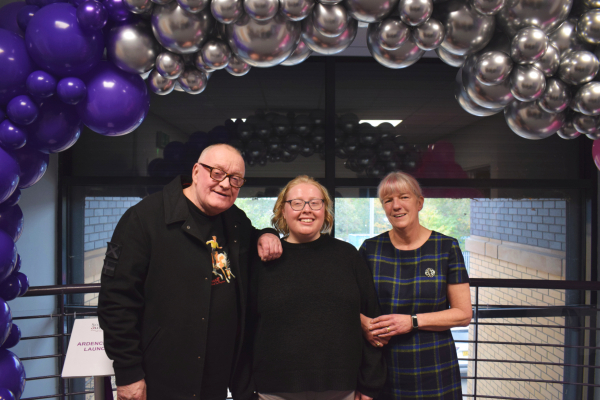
(415, 321)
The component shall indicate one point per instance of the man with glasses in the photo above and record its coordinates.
(174, 285)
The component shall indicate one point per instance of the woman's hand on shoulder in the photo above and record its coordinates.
(365, 324)
(390, 325)
(359, 396)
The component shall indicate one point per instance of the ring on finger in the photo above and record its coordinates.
(388, 329)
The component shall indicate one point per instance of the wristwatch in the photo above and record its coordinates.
(415, 322)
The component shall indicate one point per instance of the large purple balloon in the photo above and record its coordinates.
(33, 165)
(92, 15)
(57, 43)
(116, 102)
(9, 175)
(24, 280)
(11, 221)
(56, 129)
(8, 256)
(10, 287)
(8, 17)
(41, 84)
(5, 324)
(11, 341)
(22, 110)
(117, 10)
(6, 394)
(12, 373)
(25, 14)
(15, 65)
(13, 200)
(11, 136)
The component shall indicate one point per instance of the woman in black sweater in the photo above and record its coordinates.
(305, 308)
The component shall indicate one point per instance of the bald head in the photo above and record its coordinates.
(218, 146)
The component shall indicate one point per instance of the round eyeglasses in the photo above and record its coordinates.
(219, 175)
(298, 205)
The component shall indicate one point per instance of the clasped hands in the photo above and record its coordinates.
(378, 331)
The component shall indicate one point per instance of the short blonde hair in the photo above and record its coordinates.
(397, 182)
(278, 221)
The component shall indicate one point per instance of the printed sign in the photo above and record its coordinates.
(85, 355)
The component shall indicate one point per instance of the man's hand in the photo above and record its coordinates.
(359, 396)
(365, 324)
(134, 391)
(269, 247)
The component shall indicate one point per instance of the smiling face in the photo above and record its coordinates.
(305, 225)
(402, 209)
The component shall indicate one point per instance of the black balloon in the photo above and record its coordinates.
(274, 144)
(292, 144)
(174, 151)
(340, 136)
(256, 149)
(351, 145)
(281, 125)
(318, 117)
(376, 171)
(238, 144)
(395, 164)
(386, 150)
(341, 153)
(368, 134)
(318, 136)
(411, 161)
(307, 149)
(302, 125)
(287, 156)
(245, 131)
(365, 157)
(263, 130)
(348, 123)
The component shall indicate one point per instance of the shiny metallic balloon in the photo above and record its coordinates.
(198, 61)
(591, 3)
(585, 123)
(296, 10)
(488, 96)
(449, 58)
(216, 54)
(469, 105)
(226, 11)
(549, 62)
(404, 56)
(527, 83)
(556, 97)
(328, 45)
(429, 35)
(415, 12)
(159, 84)
(146, 74)
(330, 20)
(578, 67)
(587, 99)
(193, 81)
(370, 11)
(193, 6)
(593, 136)
(565, 38)
(237, 67)
(544, 14)
(330, 1)
(261, 10)
(169, 65)
(392, 32)
(528, 46)
(568, 131)
(132, 47)
(588, 27)
(138, 6)
(162, 2)
(301, 53)
(493, 67)
(181, 31)
(467, 31)
(529, 121)
(488, 7)
(263, 43)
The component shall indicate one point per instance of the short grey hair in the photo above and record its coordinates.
(212, 146)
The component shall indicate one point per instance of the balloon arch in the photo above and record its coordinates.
(534, 60)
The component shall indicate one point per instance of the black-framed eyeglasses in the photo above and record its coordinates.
(219, 175)
(298, 205)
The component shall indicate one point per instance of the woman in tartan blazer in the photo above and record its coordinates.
(423, 291)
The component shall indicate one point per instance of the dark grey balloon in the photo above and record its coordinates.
(159, 84)
(406, 55)
(528, 45)
(568, 131)
(488, 7)
(138, 6)
(549, 62)
(330, 20)
(193, 6)
(556, 97)
(169, 65)
(181, 31)
(469, 105)
(449, 58)
(565, 38)
(132, 47)
(429, 35)
(215, 54)
(193, 81)
(578, 67)
(415, 12)
(587, 99)
(296, 10)
(392, 32)
(588, 27)
(327, 45)
(370, 10)
(261, 10)
(527, 83)
(544, 14)
(529, 121)
(585, 124)
(493, 67)
(488, 96)
(226, 11)
(237, 67)
(467, 31)
(301, 53)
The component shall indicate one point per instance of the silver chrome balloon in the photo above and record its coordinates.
(488, 7)
(301, 53)
(591, 3)
(138, 6)
(404, 56)
(162, 2)
(467, 31)
(263, 43)
(556, 97)
(578, 67)
(146, 74)
(588, 27)
(159, 84)
(429, 35)
(132, 47)
(529, 121)
(469, 105)
(568, 131)
(193, 6)
(527, 83)
(488, 96)
(493, 67)
(327, 45)
(415, 12)
(169, 65)
(565, 38)
(226, 11)
(585, 124)
(181, 31)
(198, 61)
(587, 99)
(296, 10)
(528, 46)
(549, 62)
(261, 10)
(216, 54)
(544, 14)
(237, 67)
(392, 32)
(370, 11)
(330, 20)
(449, 58)
(193, 81)
(593, 136)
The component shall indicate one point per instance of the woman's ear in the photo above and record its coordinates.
(421, 202)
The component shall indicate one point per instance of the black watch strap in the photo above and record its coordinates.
(415, 322)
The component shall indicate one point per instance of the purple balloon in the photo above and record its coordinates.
(5, 324)
(9, 175)
(8, 17)
(10, 288)
(11, 221)
(25, 14)
(13, 200)
(17, 267)
(43, 3)
(24, 283)
(57, 43)
(56, 129)
(108, 86)
(22, 110)
(11, 136)
(32, 163)
(71, 90)
(6, 394)
(8, 256)
(12, 373)
(2, 115)
(15, 65)
(92, 15)
(41, 84)
(11, 341)
(117, 10)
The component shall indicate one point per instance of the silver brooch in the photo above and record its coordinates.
(429, 272)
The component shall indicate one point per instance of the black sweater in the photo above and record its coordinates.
(305, 314)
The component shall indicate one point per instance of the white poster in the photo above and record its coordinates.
(85, 355)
